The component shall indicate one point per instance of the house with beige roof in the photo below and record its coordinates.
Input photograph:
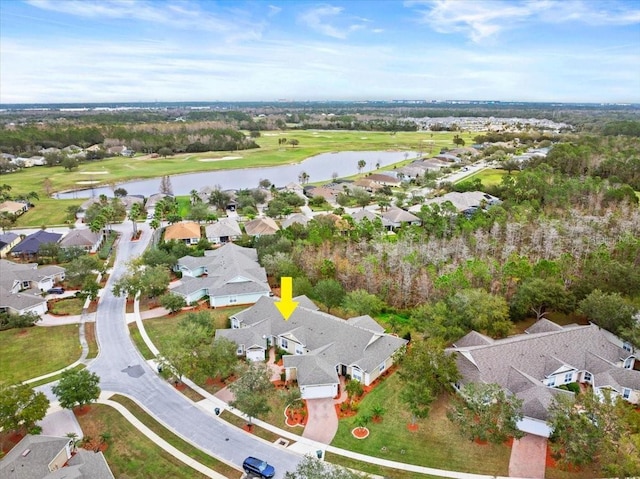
(467, 203)
(229, 275)
(261, 227)
(15, 208)
(82, 238)
(321, 348)
(533, 365)
(223, 231)
(185, 231)
(396, 217)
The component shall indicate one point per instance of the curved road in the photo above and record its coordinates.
(122, 369)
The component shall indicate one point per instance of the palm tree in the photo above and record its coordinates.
(134, 213)
(361, 165)
(195, 198)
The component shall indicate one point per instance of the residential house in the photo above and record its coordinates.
(223, 231)
(22, 285)
(151, 203)
(531, 366)
(7, 241)
(321, 347)
(51, 457)
(82, 238)
(371, 216)
(15, 208)
(396, 217)
(295, 218)
(185, 231)
(130, 200)
(261, 227)
(31, 161)
(467, 203)
(30, 246)
(383, 180)
(229, 275)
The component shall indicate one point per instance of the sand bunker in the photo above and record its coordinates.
(94, 172)
(87, 182)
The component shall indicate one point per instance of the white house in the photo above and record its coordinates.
(229, 275)
(321, 347)
(533, 365)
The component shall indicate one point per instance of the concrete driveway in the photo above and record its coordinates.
(322, 421)
(528, 456)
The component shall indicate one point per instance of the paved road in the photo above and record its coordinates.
(122, 369)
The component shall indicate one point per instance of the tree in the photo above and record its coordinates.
(198, 212)
(361, 196)
(425, 371)
(151, 282)
(26, 320)
(164, 152)
(70, 163)
(293, 142)
(251, 391)
(134, 214)
(172, 302)
(313, 468)
(120, 192)
(539, 295)
(77, 388)
(510, 165)
(218, 198)
(223, 358)
(594, 428)
(608, 310)
(80, 269)
(361, 302)
(361, 165)
(485, 412)
(458, 141)
(165, 186)
(21, 407)
(330, 292)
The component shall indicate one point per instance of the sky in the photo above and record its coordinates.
(73, 51)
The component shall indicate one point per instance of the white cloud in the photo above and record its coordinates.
(325, 20)
(274, 10)
(482, 19)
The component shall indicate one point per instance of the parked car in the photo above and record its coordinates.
(56, 290)
(258, 467)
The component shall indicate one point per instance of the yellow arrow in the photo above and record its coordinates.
(286, 305)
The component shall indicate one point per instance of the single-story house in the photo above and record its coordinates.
(295, 218)
(223, 231)
(321, 347)
(186, 231)
(32, 243)
(18, 277)
(531, 366)
(467, 203)
(396, 217)
(261, 227)
(384, 180)
(152, 201)
(15, 208)
(52, 457)
(229, 275)
(8, 241)
(83, 238)
(130, 200)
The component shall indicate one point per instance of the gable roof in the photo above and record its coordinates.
(329, 340)
(461, 201)
(398, 215)
(295, 218)
(80, 237)
(31, 244)
(261, 226)
(181, 231)
(223, 227)
(524, 361)
(12, 207)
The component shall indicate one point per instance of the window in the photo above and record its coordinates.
(284, 343)
(587, 376)
(381, 367)
(628, 363)
(233, 299)
(356, 374)
(627, 347)
(626, 392)
(568, 377)
(239, 350)
(299, 349)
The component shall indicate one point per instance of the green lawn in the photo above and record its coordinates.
(31, 352)
(160, 330)
(381, 471)
(134, 332)
(65, 306)
(488, 176)
(436, 443)
(116, 170)
(131, 454)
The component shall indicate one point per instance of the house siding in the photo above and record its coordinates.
(220, 301)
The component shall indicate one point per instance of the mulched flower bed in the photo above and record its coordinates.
(360, 432)
(296, 416)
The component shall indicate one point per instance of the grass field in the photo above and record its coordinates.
(116, 170)
(130, 454)
(436, 443)
(31, 352)
(489, 176)
(71, 306)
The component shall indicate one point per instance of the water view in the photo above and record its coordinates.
(319, 168)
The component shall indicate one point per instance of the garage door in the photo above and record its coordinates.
(318, 392)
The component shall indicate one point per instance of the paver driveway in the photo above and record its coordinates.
(528, 457)
(322, 420)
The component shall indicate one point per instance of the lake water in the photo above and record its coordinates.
(319, 168)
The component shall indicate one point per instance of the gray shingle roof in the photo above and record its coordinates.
(223, 227)
(80, 237)
(330, 340)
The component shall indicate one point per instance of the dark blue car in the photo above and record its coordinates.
(258, 467)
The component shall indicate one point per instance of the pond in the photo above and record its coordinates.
(319, 168)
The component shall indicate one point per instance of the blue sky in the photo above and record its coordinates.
(188, 50)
